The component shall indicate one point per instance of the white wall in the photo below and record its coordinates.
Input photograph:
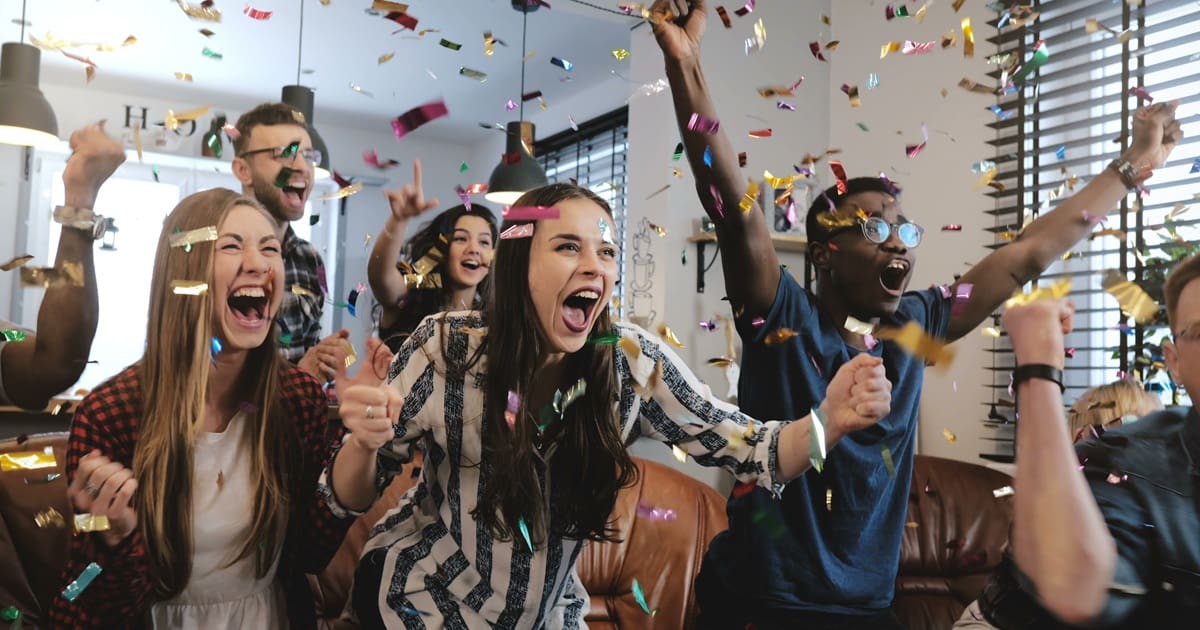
(938, 183)
(734, 79)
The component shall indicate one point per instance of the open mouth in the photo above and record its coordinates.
(472, 265)
(294, 193)
(577, 309)
(893, 276)
(249, 305)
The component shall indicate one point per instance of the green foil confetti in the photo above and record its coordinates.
(525, 533)
(289, 152)
(80, 583)
(462, 168)
(285, 173)
(678, 152)
(640, 596)
(609, 339)
(212, 54)
(12, 335)
(1041, 54)
(887, 461)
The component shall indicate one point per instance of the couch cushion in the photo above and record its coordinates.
(33, 557)
(956, 532)
(663, 555)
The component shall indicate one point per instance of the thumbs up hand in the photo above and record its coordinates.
(368, 406)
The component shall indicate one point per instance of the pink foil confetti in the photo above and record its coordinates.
(746, 9)
(839, 172)
(417, 116)
(917, 48)
(524, 230)
(530, 213)
(815, 47)
(757, 322)
(717, 202)
(701, 124)
(655, 513)
(962, 294)
(1141, 93)
(371, 157)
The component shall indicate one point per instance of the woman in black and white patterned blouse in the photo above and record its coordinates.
(524, 410)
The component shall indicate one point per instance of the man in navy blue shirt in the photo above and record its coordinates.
(825, 553)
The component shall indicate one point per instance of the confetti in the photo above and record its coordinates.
(759, 39)
(385, 58)
(839, 172)
(962, 295)
(525, 532)
(815, 48)
(191, 237)
(528, 213)
(891, 12)
(655, 513)
(857, 326)
(724, 15)
(418, 116)
(915, 341)
(188, 287)
(917, 48)
(562, 63)
(949, 435)
(778, 336)
(77, 586)
(1054, 291)
(887, 461)
(1003, 491)
(69, 275)
(620, 54)
(212, 54)
(27, 460)
(679, 453)
(173, 120)
(186, 77)
(761, 133)
(445, 43)
(49, 518)
(638, 594)
(701, 124)
(85, 523)
(1134, 300)
(371, 158)
(968, 38)
(1195, 167)
(952, 227)
(749, 197)
(983, 166)
(463, 168)
(742, 159)
(668, 335)
(472, 74)
(1041, 53)
(16, 262)
(745, 10)
(207, 32)
(524, 230)
(256, 14)
(913, 150)
(202, 11)
(12, 335)
(403, 19)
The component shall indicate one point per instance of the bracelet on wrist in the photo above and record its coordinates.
(1039, 371)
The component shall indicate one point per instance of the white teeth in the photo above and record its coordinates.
(898, 264)
(470, 264)
(250, 292)
(586, 294)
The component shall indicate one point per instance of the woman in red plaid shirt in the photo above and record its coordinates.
(203, 455)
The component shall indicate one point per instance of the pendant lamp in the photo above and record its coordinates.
(518, 171)
(26, 117)
(301, 98)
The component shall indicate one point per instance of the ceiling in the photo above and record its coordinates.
(342, 44)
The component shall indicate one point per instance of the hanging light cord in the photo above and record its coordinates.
(22, 40)
(524, 31)
(606, 9)
(300, 44)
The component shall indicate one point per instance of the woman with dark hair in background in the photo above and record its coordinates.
(446, 266)
(524, 410)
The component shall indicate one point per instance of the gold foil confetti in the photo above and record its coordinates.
(70, 274)
(91, 523)
(301, 291)
(173, 120)
(18, 261)
(829, 499)
(200, 12)
(630, 347)
(191, 237)
(1054, 291)
(342, 192)
(1134, 300)
(351, 356)
(779, 335)
(385, 58)
(679, 453)
(858, 327)
(913, 339)
(667, 334)
(386, 6)
(750, 196)
(188, 287)
(183, 76)
(968, 38)
(991, 331)
(949, 435)
(27, 460)
(620, 54)
(49, 517)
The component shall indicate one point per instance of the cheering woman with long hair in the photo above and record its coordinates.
(204, 455)
(445, 268)
(524, 410)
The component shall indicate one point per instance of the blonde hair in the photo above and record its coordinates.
(174, 381)
(1103, 404)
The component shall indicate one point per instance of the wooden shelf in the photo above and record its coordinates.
(782, 242)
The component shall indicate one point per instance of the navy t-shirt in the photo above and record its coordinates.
(831, 543)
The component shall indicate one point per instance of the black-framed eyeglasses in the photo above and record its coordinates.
(878, 231)
(287, 154)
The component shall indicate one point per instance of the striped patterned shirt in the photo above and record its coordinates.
(439, 567)
(304, 300)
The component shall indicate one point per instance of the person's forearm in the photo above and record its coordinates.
(689, 90)
(795, 442)
(387, 283)
(1059, 536)
(69, 314)
(1056, 232)
(352, 477)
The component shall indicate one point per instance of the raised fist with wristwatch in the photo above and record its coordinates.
(1156, 132)
(94, 158)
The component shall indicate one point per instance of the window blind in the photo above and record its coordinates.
(1064, 124)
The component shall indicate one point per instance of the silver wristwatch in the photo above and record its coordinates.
(82, 219)
(1127, 171)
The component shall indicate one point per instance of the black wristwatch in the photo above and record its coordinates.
(1127, 171)
(1038, 370)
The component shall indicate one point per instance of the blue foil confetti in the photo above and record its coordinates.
(1195, 166)
(525, 533)
(640, 596)
(215, 348)
(1061, 152)
(80, 583)
(562, 63)
(872, 81)
(708, 156)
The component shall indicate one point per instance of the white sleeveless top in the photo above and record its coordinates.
(220, 595)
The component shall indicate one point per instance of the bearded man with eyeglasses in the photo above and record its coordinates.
(275, 163)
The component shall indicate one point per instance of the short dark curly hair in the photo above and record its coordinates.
(831, 197)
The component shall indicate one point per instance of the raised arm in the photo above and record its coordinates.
(1060, 539)
(996, 277)
(387, 283)
(747, 254)
(51, 361)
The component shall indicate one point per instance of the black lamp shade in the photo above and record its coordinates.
(26, 117)
(511, 180)
(301, 98)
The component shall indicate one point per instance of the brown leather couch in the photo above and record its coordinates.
(959, 533)
(957, 530)
(663, 555)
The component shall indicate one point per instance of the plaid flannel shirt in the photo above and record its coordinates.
(122, 594)
(303, 298)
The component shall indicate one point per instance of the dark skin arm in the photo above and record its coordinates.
(49, 362)
(1004, 271)
(748, 256)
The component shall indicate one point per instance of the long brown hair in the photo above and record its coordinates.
(174, 379)
(591, 464)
